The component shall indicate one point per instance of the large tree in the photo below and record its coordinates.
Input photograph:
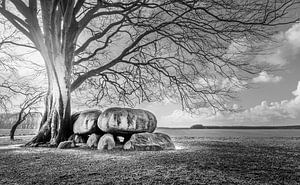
(143, 50)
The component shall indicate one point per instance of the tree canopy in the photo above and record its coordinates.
(126, 49)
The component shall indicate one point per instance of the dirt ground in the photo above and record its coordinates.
(195, 161)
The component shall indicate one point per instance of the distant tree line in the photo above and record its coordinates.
(31, 121)
(199, 126)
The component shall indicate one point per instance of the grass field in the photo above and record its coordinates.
(197, 160)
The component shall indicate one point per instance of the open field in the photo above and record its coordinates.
(197, 160)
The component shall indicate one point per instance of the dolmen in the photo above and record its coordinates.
(131, 129)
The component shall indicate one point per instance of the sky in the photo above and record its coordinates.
(273, 100)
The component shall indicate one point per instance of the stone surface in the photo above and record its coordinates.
(126, 121)
(74, 117)
(93, 140)
(149, 141)
(77, 138)
(86, 123)
(106, 142)
(66, 144)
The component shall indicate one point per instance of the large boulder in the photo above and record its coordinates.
(149, 141)
(78, 138)
(106, 142)
(126, 121)
(66, 145)
(86, 122)
(93, 140)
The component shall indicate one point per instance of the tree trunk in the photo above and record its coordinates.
(18, 122)
(13, 129)
(56, 126)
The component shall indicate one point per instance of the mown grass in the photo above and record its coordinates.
(198, 161)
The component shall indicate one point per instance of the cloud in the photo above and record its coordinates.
(285, 112)
(180, 118)
(264, 77)
(297, 91)
(286, 49)
(293, 35)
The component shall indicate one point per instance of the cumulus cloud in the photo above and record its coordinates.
(179, 118)
(286, 50)
(264, 77)
(275, 113)
(293, 35)
(279, 53)
(297, 91)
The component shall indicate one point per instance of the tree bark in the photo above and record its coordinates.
(56, 125)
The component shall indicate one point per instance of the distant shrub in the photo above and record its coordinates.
(198, 126)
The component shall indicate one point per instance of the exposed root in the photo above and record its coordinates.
(41, 138)
(34, 142)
